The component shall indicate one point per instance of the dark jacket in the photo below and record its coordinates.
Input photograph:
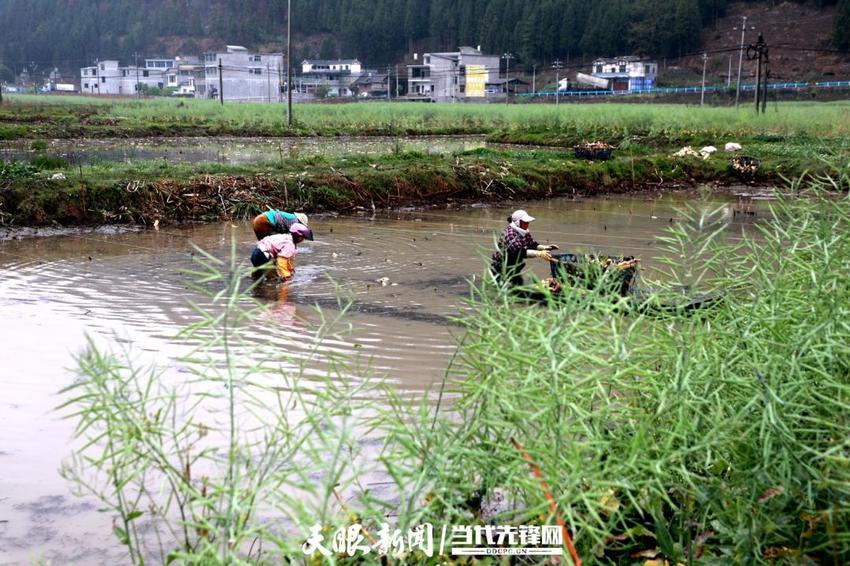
(509, 258)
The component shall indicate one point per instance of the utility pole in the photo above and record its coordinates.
(508, 57)
(740, 61)
(136, 62)
(534, 79)
(766, 76)
(268, 82)
(759, 52)
(758, 82)
(289, 63)
(220, 82)
(396, 82)
(557, 66)
(729, 74)
(702, 93)
(388, 83)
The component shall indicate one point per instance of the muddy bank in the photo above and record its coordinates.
(163, 193)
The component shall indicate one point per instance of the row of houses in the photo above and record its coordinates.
(469, 74)
(238, 74)
(235, 74)
(241, 75)
(108, 77)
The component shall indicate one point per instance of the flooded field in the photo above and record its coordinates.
(230, 150)
(127, 288)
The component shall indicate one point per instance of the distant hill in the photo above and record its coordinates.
(68, 34)
(801, 38)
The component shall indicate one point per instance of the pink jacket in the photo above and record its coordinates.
(278, 245)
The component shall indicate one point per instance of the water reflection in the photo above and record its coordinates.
(233, 151)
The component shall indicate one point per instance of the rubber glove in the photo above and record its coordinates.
(541, 254)
(548, 247)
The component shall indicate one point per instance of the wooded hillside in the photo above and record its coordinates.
(70, 33)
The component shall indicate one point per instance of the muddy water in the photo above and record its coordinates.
(231, 150)
(126, 288)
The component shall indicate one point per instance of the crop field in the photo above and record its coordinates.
(32, 116)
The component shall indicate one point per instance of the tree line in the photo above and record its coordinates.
(71, 33)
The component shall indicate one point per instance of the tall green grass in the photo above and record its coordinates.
(710, 438)
(714, 439)
(667, 121)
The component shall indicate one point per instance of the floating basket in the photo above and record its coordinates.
(595, 151)
(744, 166)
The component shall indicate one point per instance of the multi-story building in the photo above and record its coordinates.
(336, 77)
(626, 73)
(318, 66)
(238, 75)
(109, 78)
(181, 76)
(463, 75)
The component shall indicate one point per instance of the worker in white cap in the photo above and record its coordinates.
(515, 245)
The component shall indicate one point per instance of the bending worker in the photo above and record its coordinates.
(280, 248)
(278, 222)
(515, 244)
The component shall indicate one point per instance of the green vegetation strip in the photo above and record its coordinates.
(71, 117)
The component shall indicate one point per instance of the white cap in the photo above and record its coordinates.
(521, 216)
(302, 218)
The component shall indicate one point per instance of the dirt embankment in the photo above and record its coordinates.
(412, 181)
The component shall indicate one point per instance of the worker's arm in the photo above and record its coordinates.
(547, 247)
(541, 254)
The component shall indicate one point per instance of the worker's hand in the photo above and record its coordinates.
(545, 256)
(548, 247)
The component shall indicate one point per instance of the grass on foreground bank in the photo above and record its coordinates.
(49, 190)
(717, 439)
(63, 117)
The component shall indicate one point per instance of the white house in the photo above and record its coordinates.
(102, 78)
(336, 76)
(109, 78)
(181, 76)
(317, 66)
(244, 76)
(626, 73)
(466, 74)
